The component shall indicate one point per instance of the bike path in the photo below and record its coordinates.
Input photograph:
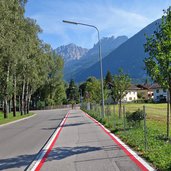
(84, 146)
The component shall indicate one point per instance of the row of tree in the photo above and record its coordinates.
(90, 91)
(27, 65)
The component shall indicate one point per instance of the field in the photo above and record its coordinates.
(154, 111)
(11, 118)
(158, 150)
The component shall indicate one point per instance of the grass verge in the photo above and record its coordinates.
(11, 118)
(158, 148)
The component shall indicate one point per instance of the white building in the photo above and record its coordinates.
(159, 93)
(131, 94)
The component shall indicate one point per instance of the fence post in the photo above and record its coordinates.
(168, 117)
(145, 129)
(114, 122)
(124, 121)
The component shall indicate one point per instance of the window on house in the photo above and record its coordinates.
(164, 90)
(157, 91)
(130, 98)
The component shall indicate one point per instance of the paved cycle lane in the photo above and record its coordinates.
(84, 145)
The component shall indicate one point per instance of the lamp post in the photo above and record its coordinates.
(100, 58)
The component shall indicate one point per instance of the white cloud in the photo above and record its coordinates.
(109, 18)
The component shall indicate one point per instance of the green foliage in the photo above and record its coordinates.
(140, 95)
(52, 88)
(108, 79)
(50, 102)
(159, 48)
(158, 64)
(72, 92)
(82, 89)
(25, 61)
(40, 104)
(11, 19)
(93, 89)
(121, 83)
(135, 118)
(60, 94)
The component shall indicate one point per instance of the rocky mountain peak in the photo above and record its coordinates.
(71, 52)
(77, 64)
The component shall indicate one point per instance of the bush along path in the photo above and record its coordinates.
(156, 149)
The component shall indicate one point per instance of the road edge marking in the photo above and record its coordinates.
(38, 162)
(9, 123)
(140, 162)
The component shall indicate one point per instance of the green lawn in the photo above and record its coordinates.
(158, 148)
(151, 109)
(11, 118)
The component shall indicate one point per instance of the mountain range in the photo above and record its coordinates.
(129, 56)
(117, 53)
(71, 52)
(78, 59)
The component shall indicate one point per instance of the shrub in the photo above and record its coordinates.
(50, 102)
(40, 104)
(135, 118)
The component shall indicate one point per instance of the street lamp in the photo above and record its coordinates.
(100, 58)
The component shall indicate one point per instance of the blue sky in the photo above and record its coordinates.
(112, 17)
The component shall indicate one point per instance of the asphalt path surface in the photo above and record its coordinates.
(20, 142)
(83, 146)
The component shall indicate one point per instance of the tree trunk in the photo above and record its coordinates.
(5, 107)
(9, 106)
(22, 98)
(28, 103)
(19, 104)
(6, 94)
(168, 112)
(14, 96)
(26, 99)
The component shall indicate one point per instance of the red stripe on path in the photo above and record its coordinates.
(132, 157)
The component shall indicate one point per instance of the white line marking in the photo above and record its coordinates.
(42, 153)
